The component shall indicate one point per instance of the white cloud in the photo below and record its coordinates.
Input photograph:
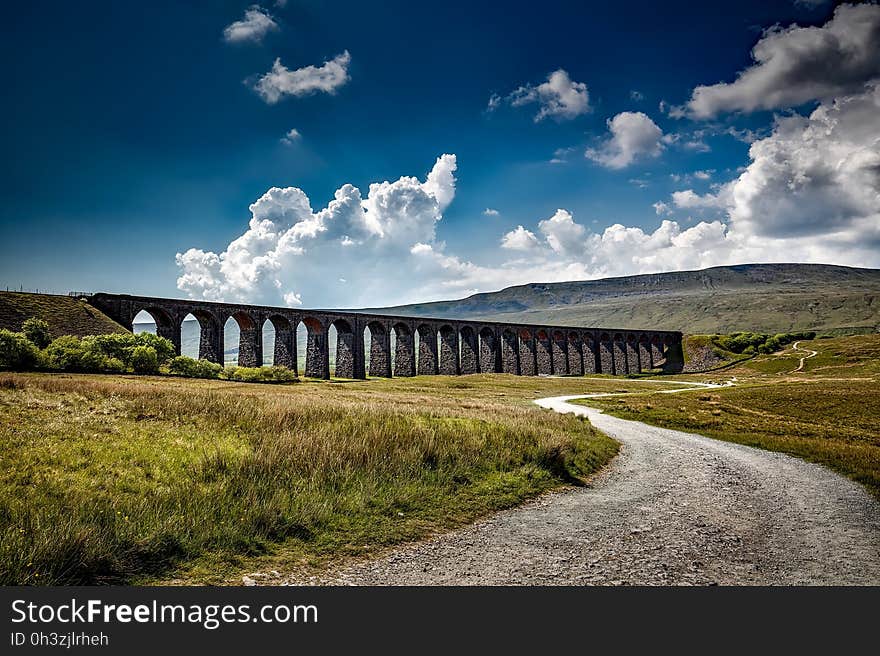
(689, 199)
(633, 135)
(661, 208)
(291, 137)
(563, 235)
(703, 175)
(252, 28)
(795, 65)
(559, 97)
(519, 239)
(281, 81)
(490, 212)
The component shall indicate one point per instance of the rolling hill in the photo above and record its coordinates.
(755, 297)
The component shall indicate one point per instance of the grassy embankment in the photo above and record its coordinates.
(142, 479)
(828, 413)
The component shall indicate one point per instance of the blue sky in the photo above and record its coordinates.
(136, 131)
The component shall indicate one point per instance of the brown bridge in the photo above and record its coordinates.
(421, 345)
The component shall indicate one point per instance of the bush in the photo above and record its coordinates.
(122, 345)
(17, 351)
(750, 343)
(144, 360)
(260, 374)
(191, 368)
(70, 353)
(37, 332)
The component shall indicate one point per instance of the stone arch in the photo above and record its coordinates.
(469, 350)
(210, 345)
(560, 353)
(448, 349)
(166, 321)
(489, 360)
(283, 341)
(427, 359)
(543, 352)
(380, 349)
(349, 351)
(527, 363)
(575, 354)
(606, 354)
(404, 350)
(510, 352)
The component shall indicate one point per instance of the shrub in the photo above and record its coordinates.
(163, 347)
(17, 351)
(144, 360)
(70, 353)
(37, 332)
(260, 374)
(191, 368)
(122, 345)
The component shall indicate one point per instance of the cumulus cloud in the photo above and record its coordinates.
(489, 211)
(559, 97)
(633, 135)
(794, 65)
(519, 239)
(281, 81)
(256, 24)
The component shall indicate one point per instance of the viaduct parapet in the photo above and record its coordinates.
(420, 346)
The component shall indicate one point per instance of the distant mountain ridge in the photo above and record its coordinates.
(760, 297)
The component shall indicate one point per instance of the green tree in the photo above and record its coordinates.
(37, 332)
(17, 352)
(144, 360)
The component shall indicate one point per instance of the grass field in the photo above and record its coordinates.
(829, 413)
(120, 479)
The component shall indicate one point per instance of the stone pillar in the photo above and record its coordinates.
(170, 331)
(318, 354)
(543, 354)
(250, 346)
(210, 340)
(404, 354)
(285, 348)
(349, 353)
(674, 356)
(575, 356)
(560, 355)
(657, 356)
(380, 353)
(510, 353)
(633, 365)
(427, 351)
(606, 356)
(589, 352)
(449, 365)
(619, 357)
(645, 355)
(490, 361)
(469, 351)
(528, 366)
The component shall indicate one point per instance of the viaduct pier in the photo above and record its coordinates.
(422, 346)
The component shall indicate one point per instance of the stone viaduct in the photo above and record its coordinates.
(421, 345)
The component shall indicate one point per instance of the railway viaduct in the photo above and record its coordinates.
(420, 345)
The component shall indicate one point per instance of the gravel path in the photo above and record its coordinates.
(673, 508)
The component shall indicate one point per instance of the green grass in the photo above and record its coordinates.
(828, 414)
(64, 314)
(121, 479)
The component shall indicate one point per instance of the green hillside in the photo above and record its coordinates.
(64, 314)
(752, 297)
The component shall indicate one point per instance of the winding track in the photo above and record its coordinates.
(673, 508)
(812, 354)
